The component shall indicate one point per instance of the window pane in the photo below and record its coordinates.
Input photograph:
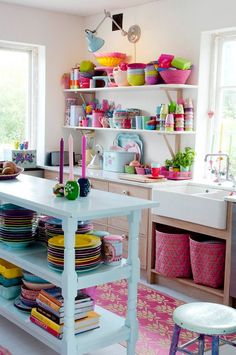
(14, 99)
(228, 63)
(227, 132)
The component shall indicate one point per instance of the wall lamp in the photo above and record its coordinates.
(95, 43)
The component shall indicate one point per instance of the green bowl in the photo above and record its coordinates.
(129, 169)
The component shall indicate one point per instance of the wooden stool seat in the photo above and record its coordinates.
(204, 318)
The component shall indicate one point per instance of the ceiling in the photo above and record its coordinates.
(78, 7)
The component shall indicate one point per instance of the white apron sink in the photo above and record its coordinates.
(196, 204)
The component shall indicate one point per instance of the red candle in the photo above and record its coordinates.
(83, 156)
(61, 161)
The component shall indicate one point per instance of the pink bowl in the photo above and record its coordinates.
(175, 76)
(136, 65)
(139, 170)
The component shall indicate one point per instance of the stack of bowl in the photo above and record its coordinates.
(135, 74)
(151, 74)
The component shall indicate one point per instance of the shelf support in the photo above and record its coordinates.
(133, 260)
(169, 146)
(69, 286)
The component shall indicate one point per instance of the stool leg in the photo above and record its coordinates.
(175, 340)
(201, 343)
(215, 345)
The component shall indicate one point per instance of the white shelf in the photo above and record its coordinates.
(135, 88)
(131, 130)
(112, 329)
(34, 259)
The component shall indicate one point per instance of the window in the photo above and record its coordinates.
(223, 96)
(18, 77)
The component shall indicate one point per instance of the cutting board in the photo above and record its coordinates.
(140, 178)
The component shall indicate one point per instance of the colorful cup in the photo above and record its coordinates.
(155, 169)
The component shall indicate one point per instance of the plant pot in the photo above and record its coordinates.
(184, 168)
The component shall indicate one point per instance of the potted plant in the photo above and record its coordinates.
(182, 161)
(186, 159)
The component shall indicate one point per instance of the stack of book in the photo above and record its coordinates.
(49, 312)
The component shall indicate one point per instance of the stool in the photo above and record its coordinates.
(204, 318)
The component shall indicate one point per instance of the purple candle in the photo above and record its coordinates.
(84, 156)
(61, 161)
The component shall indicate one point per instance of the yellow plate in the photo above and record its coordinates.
(77, 260)
(81, 241)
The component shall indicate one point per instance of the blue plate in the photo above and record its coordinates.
(17, 245)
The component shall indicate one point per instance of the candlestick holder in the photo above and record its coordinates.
(71, 190)
(58, 190)
(85, 186)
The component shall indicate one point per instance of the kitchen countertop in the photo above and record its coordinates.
(114, 177)
(111, 176)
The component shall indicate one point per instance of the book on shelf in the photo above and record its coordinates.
(59, 335)
(91, 319)
(56, 301)
(59, 318)
(87, 306)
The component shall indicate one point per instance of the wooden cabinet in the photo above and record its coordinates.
(186, 285)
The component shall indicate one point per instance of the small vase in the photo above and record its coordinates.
(71, 190)
(85, 186)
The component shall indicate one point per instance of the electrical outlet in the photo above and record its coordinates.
(119, 19)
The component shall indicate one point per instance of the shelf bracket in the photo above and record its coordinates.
(169, 146)
(179, 93)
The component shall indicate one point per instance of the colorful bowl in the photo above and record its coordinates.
(110, 59)
(129, 169)
(136, 66)
(136, 79)
(140, 170)
(175, 76)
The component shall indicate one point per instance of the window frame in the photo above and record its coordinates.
(33, 70)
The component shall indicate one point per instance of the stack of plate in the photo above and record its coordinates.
(17, 225)
(87, 252)
(54, 227)
(30, 289)
(41, 230)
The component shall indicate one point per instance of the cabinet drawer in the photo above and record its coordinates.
(53, 175)
(99, 185)
(103, 186)
(133, 191)
(98, 226)
(142, 245)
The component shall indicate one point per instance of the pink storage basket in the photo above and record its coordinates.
(172, 254)
(175, 76)
(207, 261)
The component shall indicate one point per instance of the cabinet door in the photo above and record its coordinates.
(103, 186)
(142, 245)
(133, 191)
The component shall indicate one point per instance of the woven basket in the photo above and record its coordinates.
(207, 261)
(175, 76)
(172, 254)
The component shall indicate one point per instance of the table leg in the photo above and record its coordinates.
(133, 260)
(69, 286)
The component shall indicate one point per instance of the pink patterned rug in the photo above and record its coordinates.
(154, 312)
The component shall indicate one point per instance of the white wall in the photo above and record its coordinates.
(168, 26)
(62, 37)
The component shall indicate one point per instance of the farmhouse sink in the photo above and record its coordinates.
(196, 204)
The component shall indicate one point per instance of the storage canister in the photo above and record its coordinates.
(112, 247)
(208, 261)
(172, 253)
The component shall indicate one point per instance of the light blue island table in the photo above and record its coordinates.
(36, 194)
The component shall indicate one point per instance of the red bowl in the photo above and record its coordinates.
(175, 76)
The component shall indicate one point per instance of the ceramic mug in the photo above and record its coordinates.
(96, 117)
(104, 121)
(120, 77)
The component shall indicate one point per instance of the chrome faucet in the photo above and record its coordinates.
(220, 155)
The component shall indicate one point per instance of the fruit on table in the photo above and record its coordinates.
(8, 168)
